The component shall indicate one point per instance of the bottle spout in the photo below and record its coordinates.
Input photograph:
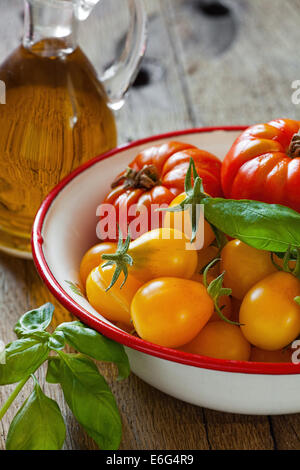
(83, 8)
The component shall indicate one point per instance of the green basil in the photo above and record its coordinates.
(264, 226)
(38, 425)
(22, 358)
(93, 344)
(88, 397)
(34, 321)
(57, 341)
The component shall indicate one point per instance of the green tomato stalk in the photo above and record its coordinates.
(216, 290)
(121, 259)
(292, 254)
(195, 196)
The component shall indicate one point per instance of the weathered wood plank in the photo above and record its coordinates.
(238, 432)
(201, 67)
(286, 431)
(238, 67)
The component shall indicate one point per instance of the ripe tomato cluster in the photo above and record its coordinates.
(165, 299)
(226, 300)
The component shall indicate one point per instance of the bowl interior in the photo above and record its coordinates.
(65, 228)
(69, 227)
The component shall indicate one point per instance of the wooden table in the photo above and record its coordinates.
(205, 65)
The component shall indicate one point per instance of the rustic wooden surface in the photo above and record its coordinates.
(206, 64)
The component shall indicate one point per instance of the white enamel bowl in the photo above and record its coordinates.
(65, 228)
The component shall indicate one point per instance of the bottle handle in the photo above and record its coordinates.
(118, 78)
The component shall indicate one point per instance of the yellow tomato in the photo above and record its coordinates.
(235, 309)
(206, 256)
(224, 301)
(182, 221)
(115, 303)
(269, 313)
(221, 341)
(259, 355)
(171, 311)
(162, 252)
(244, 266)
(93, 258)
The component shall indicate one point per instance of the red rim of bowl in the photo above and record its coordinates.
(111, 331)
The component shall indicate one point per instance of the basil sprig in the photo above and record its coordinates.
(264, 226)
(261, 225)
(39, 423)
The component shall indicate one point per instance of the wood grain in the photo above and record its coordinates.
(203, 66)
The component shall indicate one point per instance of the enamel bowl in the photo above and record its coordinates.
(64, 229)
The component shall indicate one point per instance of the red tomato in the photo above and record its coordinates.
(264, 164)
(156, 176)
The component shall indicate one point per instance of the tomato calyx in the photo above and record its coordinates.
(146, 178)
(294, 148)
(121, 259)
(292, 254)
(216, 290)
(195, 196)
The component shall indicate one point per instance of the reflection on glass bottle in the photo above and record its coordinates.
(56, 116)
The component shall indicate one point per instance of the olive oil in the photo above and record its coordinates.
(55, 118)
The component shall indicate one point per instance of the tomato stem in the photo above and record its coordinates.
(13, 396)
(292, 254)
(194, 198)
(294, 148)
(216, 290)
(146, 178)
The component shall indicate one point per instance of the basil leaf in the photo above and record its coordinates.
(38, 425)
(35, 320)
(264, 226)
(23, 357)
(93, 344)
(88, 397)
(53, 371)
(57, 341)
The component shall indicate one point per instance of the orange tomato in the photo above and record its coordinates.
(269, 313)
(220, 340)
(259, 355)
(206, 256)
(93, 258)
(171, 311)
(162, 252)
(235, 305)
(128, 328)
(244, 266)
(115, 303)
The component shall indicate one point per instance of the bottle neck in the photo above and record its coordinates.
(50, 28)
